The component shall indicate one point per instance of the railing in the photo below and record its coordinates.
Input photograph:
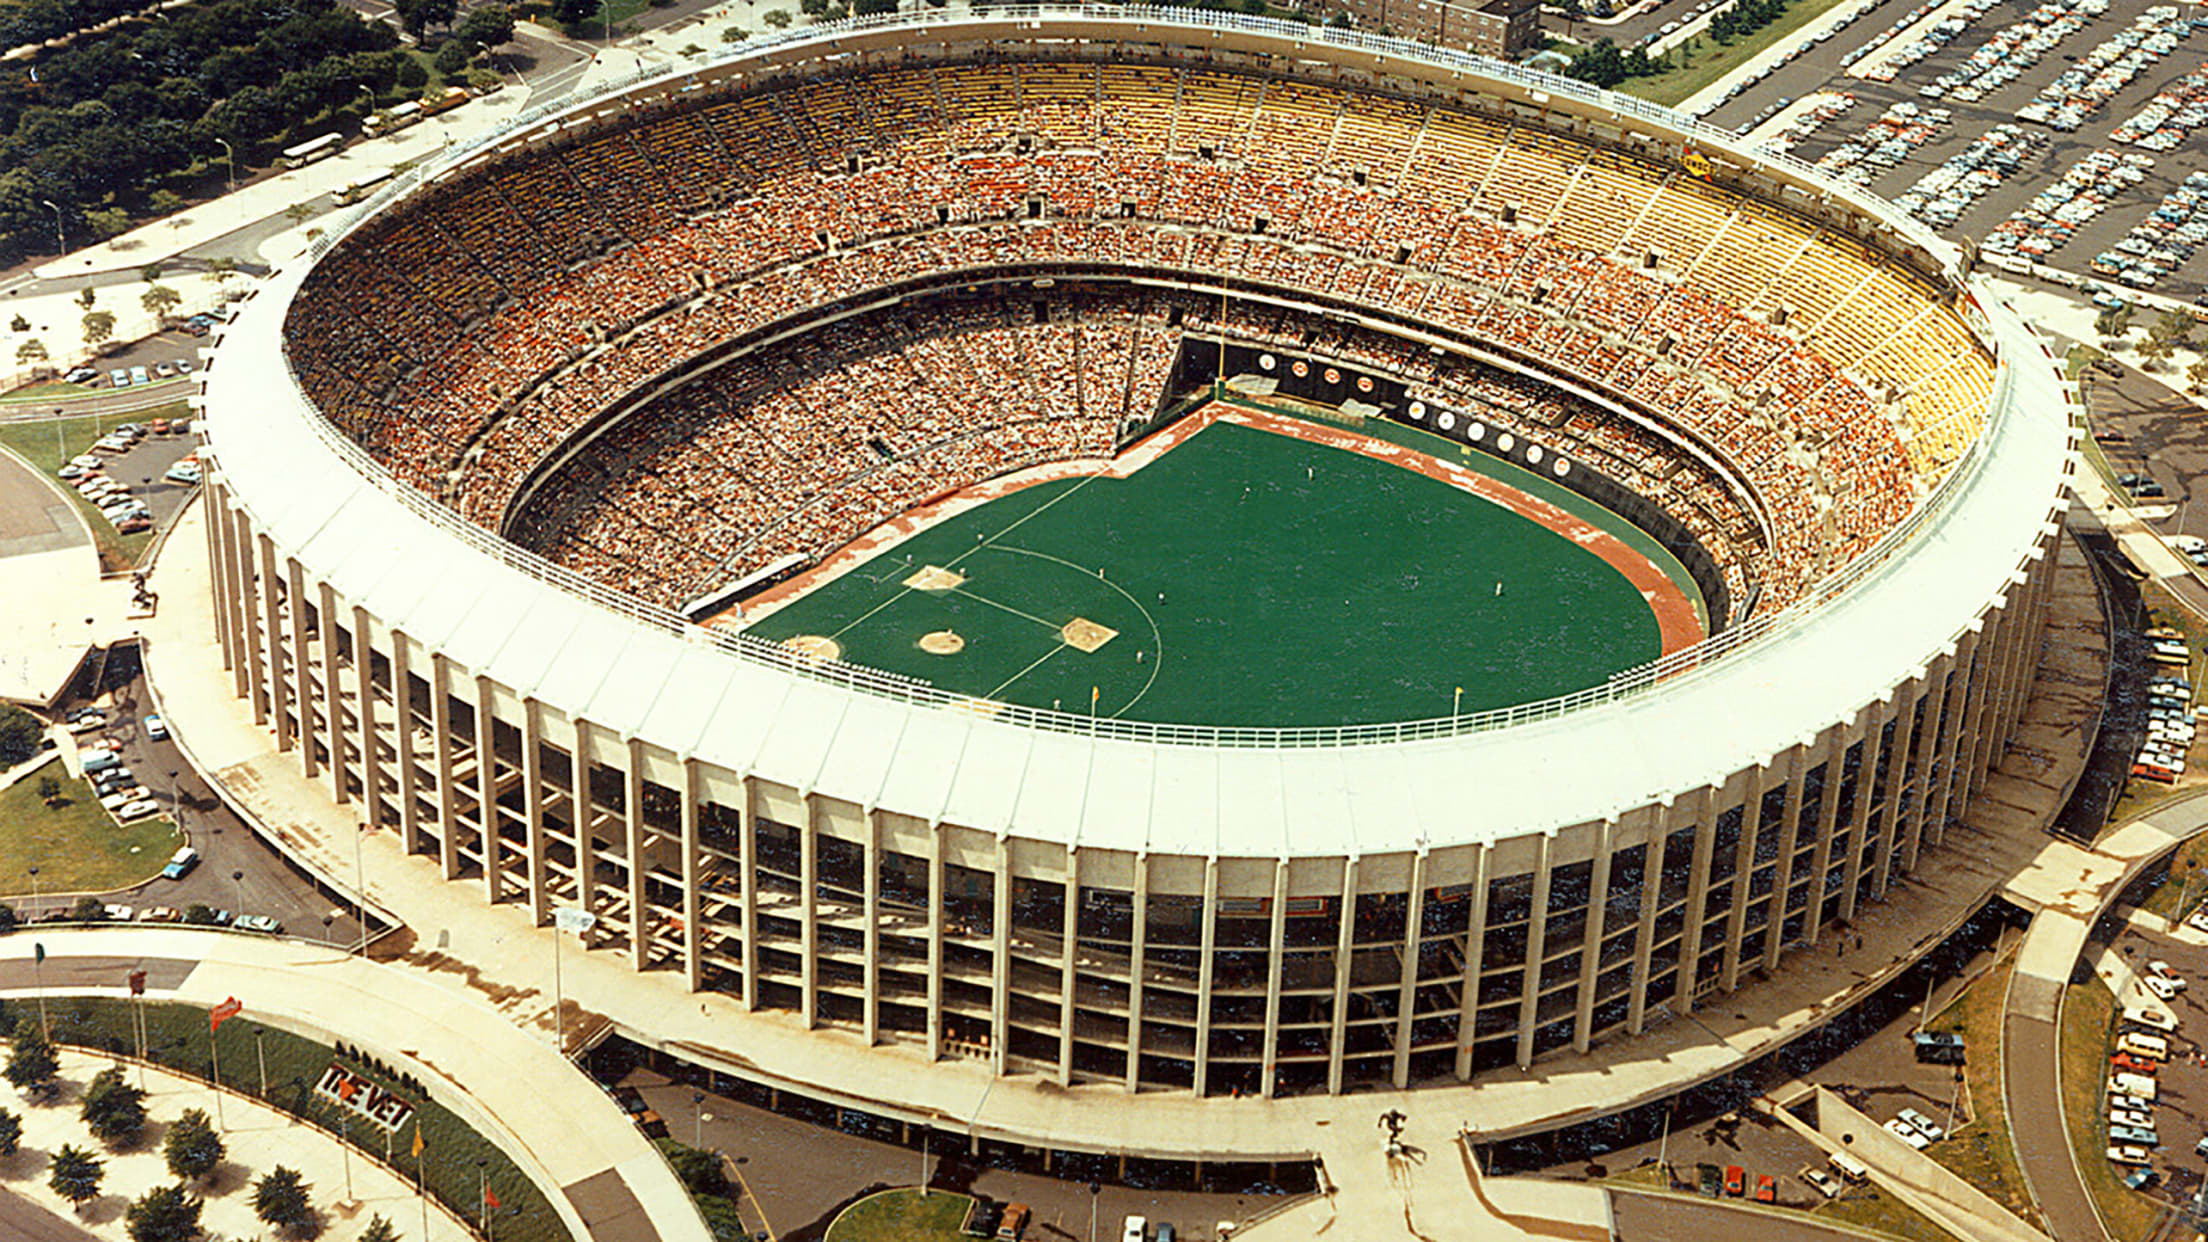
(761, 652)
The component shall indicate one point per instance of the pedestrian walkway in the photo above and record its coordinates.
(257, 1139)
(597, 1169)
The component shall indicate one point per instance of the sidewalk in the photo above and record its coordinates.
(598, 1170)
(258, 1138)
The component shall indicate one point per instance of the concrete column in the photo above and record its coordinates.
(278, 704)
(222, 580)
(1934, 697)
(332, 697)
(1590, 942)
(301, 660)
(1866, 785)
(748, 892)
(1644, 932)
(871, 969)
(1955, 776)
(1698, 893)
(1537, 947)
(1475, 948)
(935, 941)
(402, 742)
(1344, 957)
(364, 718)
(1207, 940)
(693, 929)
(257, 618)
(1744, 861)
(486, 793)
(632, 810)
(1138, 942)
(1828, 823)
(1897, 781)
(532, 799)
(1790, 826)
(808, 912)
(1275, 964)
(585, 815)
(448, 805)
(1068, 972)
(1406, 985)
(1000, 957)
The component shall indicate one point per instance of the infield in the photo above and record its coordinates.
(1251, 569)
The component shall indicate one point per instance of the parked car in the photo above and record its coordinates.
(1924, 1125)
(1822, 1182)
(1736, 1181)
(2134, 1065)
(259, 923)
(1767, 1189)
(161, 914)
(156, 728)
(138, 810)
(1908, 1134)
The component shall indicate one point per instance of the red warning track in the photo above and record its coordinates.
(1676, 618)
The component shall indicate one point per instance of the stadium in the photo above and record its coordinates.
(1143, 549)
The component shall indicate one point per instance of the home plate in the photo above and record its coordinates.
(936, 578)
(1086, 635)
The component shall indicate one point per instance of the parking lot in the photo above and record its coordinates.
(2060, 132)
(2179, 1112)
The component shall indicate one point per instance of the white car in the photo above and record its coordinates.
(2161, 970)
(2163, 989)
(138, 810)
(1908, 1134)
(1930, 1129)
(1822, 1182)
(2130, 1117)
(2197, 920)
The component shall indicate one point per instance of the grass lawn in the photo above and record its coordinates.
(1981, 1152)
(44, 389)
(176, 1036)
(900, 1216)
(76, 845)
(2088, 1016)
(1710, 61)
(48, 444)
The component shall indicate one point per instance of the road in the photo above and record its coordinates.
(2030, 1052)
(1660, 1218)
(24, 1221)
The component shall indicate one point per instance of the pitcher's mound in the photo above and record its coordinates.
(942, 642)
(936, 578)
(816, 646)
(1083, 634)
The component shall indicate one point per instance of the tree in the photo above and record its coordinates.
(733, 34)
(280, 1199)
(777, 18)
(379, 1230)
(419, 15)
(574, 12)
(159, 301)
(30, 353)
(11, 1133)
(75, 1175)
(20, 731)
(113, 1110)
(108, 222)
(8, 919)
(32, 1063)
(223, 267)
(99, 326)
(199, 914)
(164, 1214)
(192, 1147)
(452, 59)
(487, 26)
(86, 296)
(2112, 323)
(19, 323)
(2197, 374)
(88, 909)
(49, 790)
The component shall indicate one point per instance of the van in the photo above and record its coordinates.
(1850, 1168)
(180, 863)
(2137, 1086)
(2149, 1019)
(1136, 1229)
(2153, 1047)
(1014, 1223)
(97, 760)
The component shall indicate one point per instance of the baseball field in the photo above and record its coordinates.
(1247, 568)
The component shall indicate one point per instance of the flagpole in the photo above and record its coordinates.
(214, 1056)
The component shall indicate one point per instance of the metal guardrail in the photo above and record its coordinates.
(1716, 649)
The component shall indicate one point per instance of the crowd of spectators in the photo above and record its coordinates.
(523, 299)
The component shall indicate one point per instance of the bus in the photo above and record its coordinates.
(310, 151)
(354, 191)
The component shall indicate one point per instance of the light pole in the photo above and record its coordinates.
(61, 239)
(360, 893)
(260, 1057)
(1095, 1189)
(34, 892)
(238, 878)
(230, 157)
(328, 937)
(345, 1150)
(697, 1112)
(482, 1204)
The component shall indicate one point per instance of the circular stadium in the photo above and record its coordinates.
(1143, 548)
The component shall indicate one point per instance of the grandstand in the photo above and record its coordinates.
(541, 392)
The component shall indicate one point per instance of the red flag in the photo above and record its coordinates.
(222, 1013)
(490, 1200)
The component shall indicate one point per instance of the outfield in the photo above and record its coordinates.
(1248, 578)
